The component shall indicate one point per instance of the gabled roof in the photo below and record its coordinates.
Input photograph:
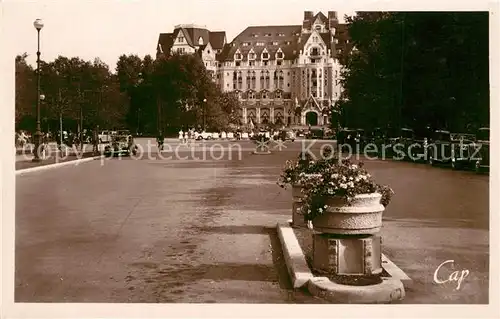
(321, 16)
(216, 39)
(269, 35)
(165, 40)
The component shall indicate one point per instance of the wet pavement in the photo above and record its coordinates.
(178, 230)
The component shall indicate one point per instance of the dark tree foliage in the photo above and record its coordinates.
(417, 69)
(144, 95)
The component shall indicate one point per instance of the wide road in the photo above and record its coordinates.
(165, 229)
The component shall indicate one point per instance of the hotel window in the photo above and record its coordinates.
(255, 35)
(278, 62)
(245, 44)
(251, 56)
(288, 43)
(251, 95)
(318, 28)
(237, 56)
(253, 80)
(267, 35)
(279, 55)
(275, 43)
(180, 39)
(238, 63)
(281, 80)
(248, 81)
(260, 44)
(251, 63)
(267, 80)
(264, 95)
(265, 56)
(281, 34)
(278, 95)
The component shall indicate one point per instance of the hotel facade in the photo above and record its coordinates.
(286, 75)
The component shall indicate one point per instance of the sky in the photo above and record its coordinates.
(107, 29)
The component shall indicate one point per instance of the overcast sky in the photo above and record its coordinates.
(107, 29)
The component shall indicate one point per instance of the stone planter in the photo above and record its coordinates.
(363, 216)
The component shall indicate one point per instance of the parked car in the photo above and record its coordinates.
(300, 133)
(482, 150)
(439, 148)
(463, 147)
(315, 134)
(120, 145)
(104, 137)
(286, 135)
(347, 137)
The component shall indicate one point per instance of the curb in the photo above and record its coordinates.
(389, 290)
(294, 257)
(396, 272)
(386, 292)
(46, 167)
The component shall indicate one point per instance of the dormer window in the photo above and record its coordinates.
(267, 35)
(260, 44)
(237, 56)
(275, 43)
(281, 34)
(245, 44)
(265, 56)
(279, 55)
(251, 56)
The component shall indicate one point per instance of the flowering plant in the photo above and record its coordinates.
(324, 178)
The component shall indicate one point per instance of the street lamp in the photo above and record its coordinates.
(38, 24)
(204, 110)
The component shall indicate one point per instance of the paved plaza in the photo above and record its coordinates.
(203, 231)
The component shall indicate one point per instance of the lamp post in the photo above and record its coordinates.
(38, 24)
(204, 110)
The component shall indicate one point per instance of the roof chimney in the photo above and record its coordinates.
(332, 19)
(308, 15)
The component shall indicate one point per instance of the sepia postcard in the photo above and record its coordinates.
(249, 159)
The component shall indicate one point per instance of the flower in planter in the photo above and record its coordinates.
(329, 177)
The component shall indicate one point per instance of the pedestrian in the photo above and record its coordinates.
(160, 140)
(95, 140)
(181, 135)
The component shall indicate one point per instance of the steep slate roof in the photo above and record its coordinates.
(217, 39)
(165, 40)
(268, 35)
(321, 16)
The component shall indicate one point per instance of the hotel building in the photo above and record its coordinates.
(287, 75)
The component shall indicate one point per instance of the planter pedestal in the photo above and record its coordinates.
(346, 242)
(347, 255)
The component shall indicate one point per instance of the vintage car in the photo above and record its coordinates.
(120, 145)
(286, 135)
(455, 149)
(463, 147)
(481, 157)
(397, 143)
(104, 137)
(315, 134)
(417, 150)
(347, 137)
